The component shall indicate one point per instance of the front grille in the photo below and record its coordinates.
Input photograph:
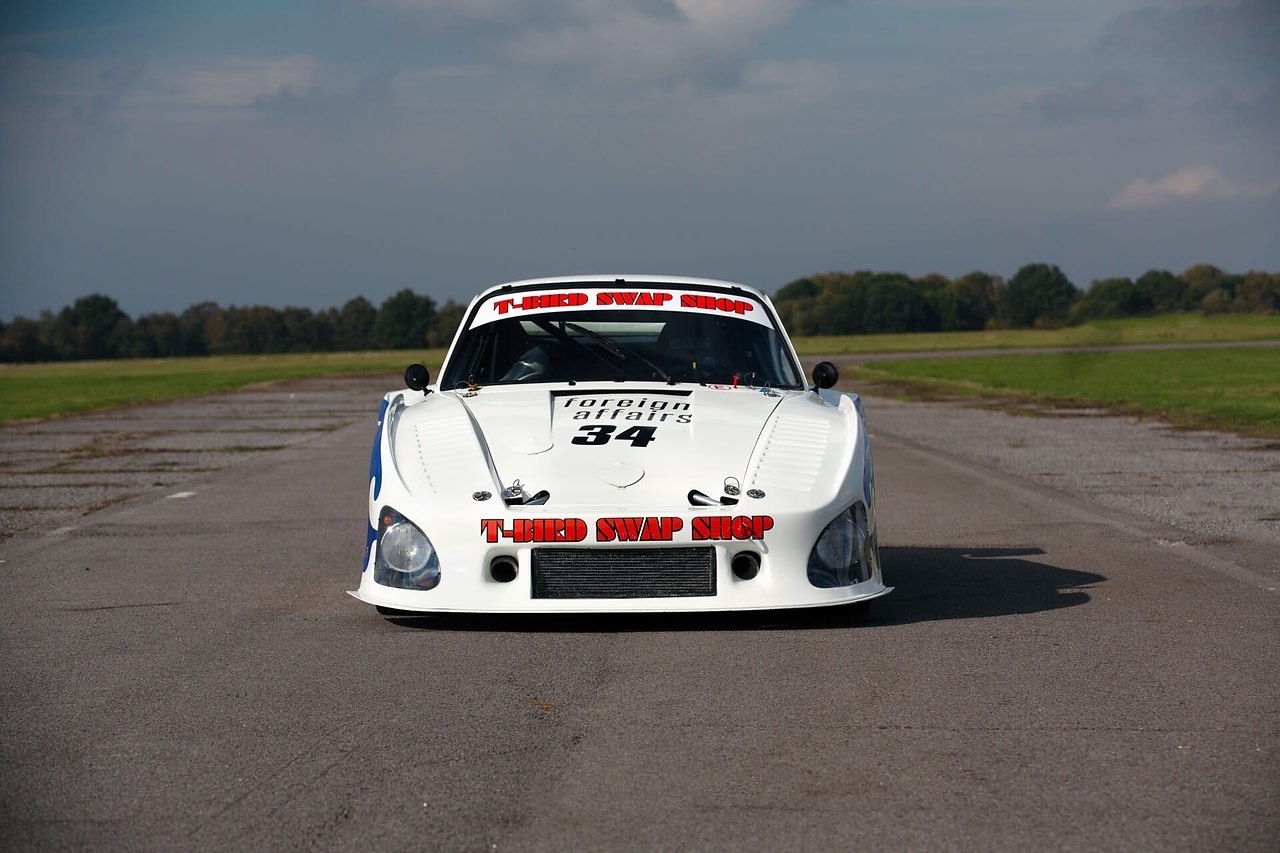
(623, 572)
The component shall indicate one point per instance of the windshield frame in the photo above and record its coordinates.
(580, 299)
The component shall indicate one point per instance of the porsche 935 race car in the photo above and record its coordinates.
(620, 444)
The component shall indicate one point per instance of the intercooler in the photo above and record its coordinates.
(624, 573)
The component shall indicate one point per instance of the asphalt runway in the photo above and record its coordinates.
(188, 673)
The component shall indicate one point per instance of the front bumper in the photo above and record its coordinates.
(468, 546)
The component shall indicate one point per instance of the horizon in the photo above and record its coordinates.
(464, 302)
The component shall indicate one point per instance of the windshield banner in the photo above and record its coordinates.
(504, 306)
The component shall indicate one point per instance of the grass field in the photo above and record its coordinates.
(1228, 389)
(1169, 329)
(42, 390)
(1233, 389)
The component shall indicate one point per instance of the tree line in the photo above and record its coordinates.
(833, 303)
(1038, 295)
(95, 327)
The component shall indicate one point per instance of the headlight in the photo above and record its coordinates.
(406, 557)
(406, 548)
(835, 546)
(837, 557)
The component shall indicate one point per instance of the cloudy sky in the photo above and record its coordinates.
(302, 152)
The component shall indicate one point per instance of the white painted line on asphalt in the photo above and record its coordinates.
(181, 495)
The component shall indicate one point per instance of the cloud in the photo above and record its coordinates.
(68, 91)
(112, 86)
(1110, 97)
(1192, 35)
(520, 14)
(370, 94)
(1194, 182)
(630, 42)
(1244, 110)
(239, 81)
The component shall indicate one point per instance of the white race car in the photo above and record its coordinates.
(629, 444)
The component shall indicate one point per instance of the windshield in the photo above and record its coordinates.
(620, 345)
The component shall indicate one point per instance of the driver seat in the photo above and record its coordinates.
(694, 347)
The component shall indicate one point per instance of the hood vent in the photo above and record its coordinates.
(448, 452)
(791, 454)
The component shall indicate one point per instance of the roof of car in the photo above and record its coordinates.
(664, 280)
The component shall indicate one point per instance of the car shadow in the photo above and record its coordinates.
(973, 583)
(930, 584)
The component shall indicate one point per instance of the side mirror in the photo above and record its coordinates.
(417, 377)
(825, 374)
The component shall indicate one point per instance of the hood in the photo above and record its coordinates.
(626, 446)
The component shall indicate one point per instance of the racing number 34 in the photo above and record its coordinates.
(602, 433)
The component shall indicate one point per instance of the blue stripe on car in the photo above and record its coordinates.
(375, 479)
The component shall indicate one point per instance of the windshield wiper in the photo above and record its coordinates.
(561, 335)
(620, 351)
